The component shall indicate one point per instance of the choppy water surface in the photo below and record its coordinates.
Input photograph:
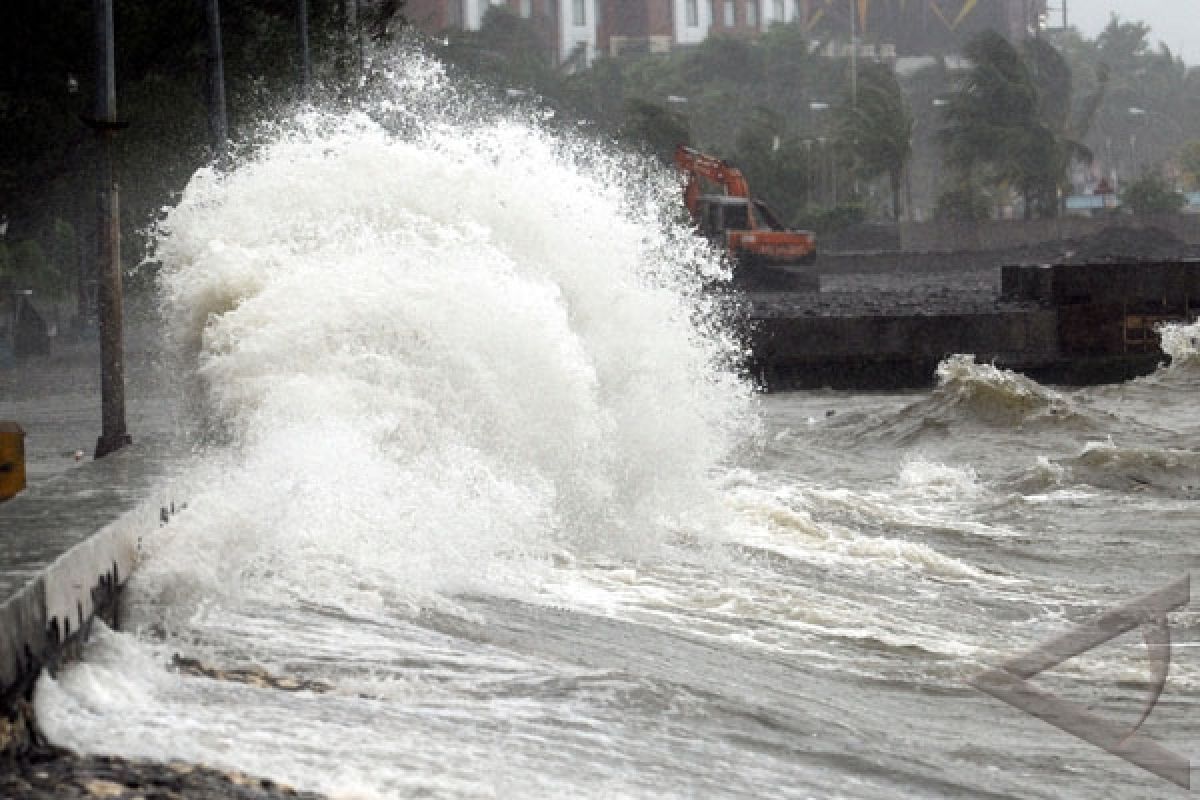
(475, 453)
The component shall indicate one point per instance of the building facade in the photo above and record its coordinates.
(579, 31)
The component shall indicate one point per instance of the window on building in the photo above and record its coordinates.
(752, 13)
(692, 9)
(526, 8)
(730, 14)
(797, 10)
(777, 11)
(579, 13)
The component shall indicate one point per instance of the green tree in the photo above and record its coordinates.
(654, 129)
(1151, 194)
(1189, 162)
(507, 52)
(774, 162)
(875, 129)
(1012, 121)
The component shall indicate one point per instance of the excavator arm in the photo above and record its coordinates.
(698, 165)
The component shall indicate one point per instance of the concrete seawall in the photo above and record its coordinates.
(1066, 324)
(66, 548)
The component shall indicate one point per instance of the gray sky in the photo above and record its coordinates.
(1176, 22)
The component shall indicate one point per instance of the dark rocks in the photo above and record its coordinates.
(51, 773)
(251, 675)
(33, 769)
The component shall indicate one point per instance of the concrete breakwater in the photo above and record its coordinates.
(66, 547)
(1063, 323)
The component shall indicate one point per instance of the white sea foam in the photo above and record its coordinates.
(1181, 342)
(431, 354)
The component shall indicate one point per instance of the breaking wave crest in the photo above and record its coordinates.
(969, 394)
(433, 353)
(1107, 465)
(994, 396)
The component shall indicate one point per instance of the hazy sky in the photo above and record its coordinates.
(1176, 22)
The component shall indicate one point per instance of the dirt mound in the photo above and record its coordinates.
(1121, 243)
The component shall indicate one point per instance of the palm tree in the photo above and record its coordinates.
(875, 128)
(1013, 121)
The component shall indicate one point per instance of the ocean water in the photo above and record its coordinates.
(464, 438)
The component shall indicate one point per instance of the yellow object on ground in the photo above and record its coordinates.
(12, 460)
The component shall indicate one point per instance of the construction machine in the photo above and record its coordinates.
(763, 250)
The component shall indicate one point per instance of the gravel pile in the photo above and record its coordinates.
(1121, 243)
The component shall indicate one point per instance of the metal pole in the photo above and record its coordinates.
(305, 57)
(113, 435)
(354, 32)
(217, 120)
(853, 54)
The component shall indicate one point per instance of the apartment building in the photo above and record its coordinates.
(579, 31)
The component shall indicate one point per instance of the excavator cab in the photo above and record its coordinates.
(767, 217)
(721, 214)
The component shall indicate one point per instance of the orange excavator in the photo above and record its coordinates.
(747, 229)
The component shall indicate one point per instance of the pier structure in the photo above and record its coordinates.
(1073, 324)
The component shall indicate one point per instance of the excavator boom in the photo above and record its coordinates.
(696, 165)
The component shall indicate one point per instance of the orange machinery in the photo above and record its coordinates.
(743, 225)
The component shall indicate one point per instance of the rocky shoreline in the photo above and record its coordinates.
(33, 769)
(52, 773)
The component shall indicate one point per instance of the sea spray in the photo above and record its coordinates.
(437, 355)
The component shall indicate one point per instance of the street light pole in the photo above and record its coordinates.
(305, 55)
(819, 106)
(853, 54)
(1144, 114)
(217, 119)
(113, 435)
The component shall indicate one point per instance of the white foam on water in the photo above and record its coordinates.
(939, 481)
(1180, 342)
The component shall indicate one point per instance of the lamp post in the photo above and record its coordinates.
(305, 54)
(820, 107)
(678, 106)
(808, 178)
(217, 120)
(853, 54)
(113, 435)
(1144, 114)
(1135, 111)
